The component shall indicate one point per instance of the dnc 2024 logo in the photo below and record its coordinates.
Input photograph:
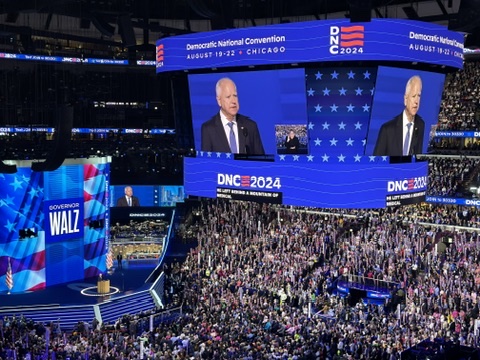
(346, 40)
(160, 55)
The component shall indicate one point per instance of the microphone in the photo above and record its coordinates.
(245, 134)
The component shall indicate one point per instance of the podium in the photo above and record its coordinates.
(103, 286)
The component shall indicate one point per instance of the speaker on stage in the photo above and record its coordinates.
(61, 143)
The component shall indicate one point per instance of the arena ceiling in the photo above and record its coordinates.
(73, 26)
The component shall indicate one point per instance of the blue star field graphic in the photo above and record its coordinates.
(339, 101)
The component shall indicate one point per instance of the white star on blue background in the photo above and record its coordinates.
(16, 184)
(9, 200)
(10, 226)
(32, 193)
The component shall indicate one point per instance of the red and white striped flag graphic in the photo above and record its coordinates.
(9, 276)
(109, 259)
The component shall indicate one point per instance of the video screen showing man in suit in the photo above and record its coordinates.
(229, 131)
(421, 92)
(403, 135)
(128, 199)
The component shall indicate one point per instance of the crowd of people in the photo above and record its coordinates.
(261, 285)
(450, 177)
(460, 102)
(276, 273)
(460, 111)
(139, 230)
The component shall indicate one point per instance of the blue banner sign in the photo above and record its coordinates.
(63, 59)
(50, 130)
(461, 134)
(314, 41)
(64, 219)
(307, 183)
(452, 201)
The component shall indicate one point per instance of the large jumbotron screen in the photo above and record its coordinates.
(333, 87)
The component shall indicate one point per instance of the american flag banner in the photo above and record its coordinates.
(9, 277)
(109, 259)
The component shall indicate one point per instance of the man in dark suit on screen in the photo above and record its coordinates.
(128, 199)
(228, 131)
(403, 135)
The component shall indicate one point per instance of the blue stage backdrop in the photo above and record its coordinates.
(55, 225)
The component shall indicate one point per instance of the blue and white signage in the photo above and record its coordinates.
(314, 41)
